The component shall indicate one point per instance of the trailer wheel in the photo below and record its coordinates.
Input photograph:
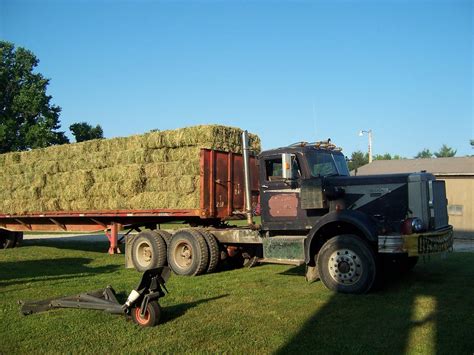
(148, 251)
(152, 315)
(3, 239)
(187, 253)
(8, 239)
(213, 249)
(346, 264)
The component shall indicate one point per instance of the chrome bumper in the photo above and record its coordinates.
(418, 244)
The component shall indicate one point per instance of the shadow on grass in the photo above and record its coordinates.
(295, 271)
(64, 243)
(172, 312)
(430, 309)
(12, 272)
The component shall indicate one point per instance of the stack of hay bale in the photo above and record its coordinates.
(157, 170)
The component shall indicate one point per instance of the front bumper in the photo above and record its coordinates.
(418, 244)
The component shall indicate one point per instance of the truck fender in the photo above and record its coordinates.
(352, 219)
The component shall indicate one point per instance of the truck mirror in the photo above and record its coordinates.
(286, 166)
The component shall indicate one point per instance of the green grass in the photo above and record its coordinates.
(268, 309)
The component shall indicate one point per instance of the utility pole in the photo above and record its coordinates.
(369, 133)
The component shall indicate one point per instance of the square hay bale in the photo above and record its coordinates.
(156, 170)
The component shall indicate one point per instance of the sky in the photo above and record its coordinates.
(289, 71)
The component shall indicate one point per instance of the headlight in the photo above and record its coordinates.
(417, 225)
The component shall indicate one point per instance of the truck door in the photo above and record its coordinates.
(279, 198)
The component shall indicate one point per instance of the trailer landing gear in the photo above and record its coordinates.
(141, 305)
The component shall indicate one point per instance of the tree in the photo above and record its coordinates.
(472, 143)
(83, 131)
(424, 154)
(358, 159)
(445, 152)
(27, 117)
(387, 156)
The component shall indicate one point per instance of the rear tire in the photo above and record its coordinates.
(165, 235)
(148, 251)
(187, 253)
(347, 264)
(152, 315)
(213, 249)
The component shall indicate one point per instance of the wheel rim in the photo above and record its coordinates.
(142, 320)
(345, 266)
(144, 254)
(183, 255)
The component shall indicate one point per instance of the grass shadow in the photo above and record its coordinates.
(12, 272)
(430, 309)
(64, 243)
(172, 312)
(295, 271)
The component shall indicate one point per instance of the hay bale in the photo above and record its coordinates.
(156, 170)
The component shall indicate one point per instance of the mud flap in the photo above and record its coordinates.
(312, 273)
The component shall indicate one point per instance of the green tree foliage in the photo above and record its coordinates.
(445, 152)
(424, 154)
(83, 131)
(27, 117)
(472, 143)
(387, 156)
(358, 159)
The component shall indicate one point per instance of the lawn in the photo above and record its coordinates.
(268, 309)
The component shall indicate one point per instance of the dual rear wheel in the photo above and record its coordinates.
(188, 252)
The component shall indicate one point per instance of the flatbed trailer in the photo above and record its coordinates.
(222, 197)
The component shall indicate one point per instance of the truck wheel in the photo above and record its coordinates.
(152, 315)
(148, 251)
(187, 253)
(347, 264)
(8, 239)
(213, 249)
(165, 235)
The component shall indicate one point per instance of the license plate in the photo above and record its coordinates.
(429, 245)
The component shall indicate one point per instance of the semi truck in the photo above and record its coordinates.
(312, 213)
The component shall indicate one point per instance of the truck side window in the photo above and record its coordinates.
(273, 168)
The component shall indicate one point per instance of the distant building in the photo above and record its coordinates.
(458, 174)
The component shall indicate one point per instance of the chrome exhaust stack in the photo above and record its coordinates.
(248, 192)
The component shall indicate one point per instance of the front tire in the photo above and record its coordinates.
(347, 264)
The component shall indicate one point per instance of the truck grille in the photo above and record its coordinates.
(438, 204)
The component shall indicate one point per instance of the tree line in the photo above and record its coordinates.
(28, 119)
(359, 158)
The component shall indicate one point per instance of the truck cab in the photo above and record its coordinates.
(342, 226)
(292, 181)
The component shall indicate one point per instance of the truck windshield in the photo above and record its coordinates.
(327, 164)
